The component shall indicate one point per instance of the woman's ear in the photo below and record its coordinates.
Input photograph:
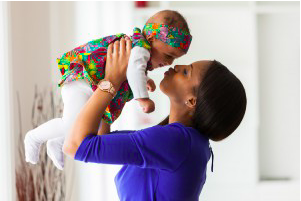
(191, 102)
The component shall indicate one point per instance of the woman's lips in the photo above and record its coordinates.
(169, 71)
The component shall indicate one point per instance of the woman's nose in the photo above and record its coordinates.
(176, 68)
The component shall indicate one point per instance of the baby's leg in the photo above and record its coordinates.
(54, 151)
(75, 95)
(34, 138)
(54, 146)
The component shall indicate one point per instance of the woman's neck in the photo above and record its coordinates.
(180, 114)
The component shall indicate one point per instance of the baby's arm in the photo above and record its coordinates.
(137, 78)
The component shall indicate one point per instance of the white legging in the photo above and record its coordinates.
(74, 94)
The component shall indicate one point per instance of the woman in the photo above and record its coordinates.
(167, 161)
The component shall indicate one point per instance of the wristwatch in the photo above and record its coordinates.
(107, 86)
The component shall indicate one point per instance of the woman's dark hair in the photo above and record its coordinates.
(221, 103)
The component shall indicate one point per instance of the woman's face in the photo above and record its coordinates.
(181, 82)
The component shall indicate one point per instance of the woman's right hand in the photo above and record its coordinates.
(117, 60)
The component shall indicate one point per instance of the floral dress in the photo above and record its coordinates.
(88, 62)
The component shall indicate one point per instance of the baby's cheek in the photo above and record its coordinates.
(156, 56)
(154, 60)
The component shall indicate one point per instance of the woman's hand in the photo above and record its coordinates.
(117, 60)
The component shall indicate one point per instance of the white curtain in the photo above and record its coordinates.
(6, 167)
(73, 24)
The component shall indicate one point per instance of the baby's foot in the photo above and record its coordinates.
(147, 104)
(55, 153)
(32, 148)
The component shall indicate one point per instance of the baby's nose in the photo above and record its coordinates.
(169, 62)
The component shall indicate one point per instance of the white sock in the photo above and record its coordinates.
(54, 151)
(34, 138)
(32, 148)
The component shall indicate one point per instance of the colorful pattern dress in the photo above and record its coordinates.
(88, 62)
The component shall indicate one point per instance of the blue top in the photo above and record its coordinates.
(160, 163)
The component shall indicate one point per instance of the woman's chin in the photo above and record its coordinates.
(163, 86)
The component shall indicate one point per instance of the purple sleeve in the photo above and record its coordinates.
(159, 147)
(163, 147)
(110, 149)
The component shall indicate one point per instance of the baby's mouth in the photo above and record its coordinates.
(151, 68)
(161, 65)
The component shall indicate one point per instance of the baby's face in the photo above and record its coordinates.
(163, 54)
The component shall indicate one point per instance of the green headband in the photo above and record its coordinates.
(173, 36)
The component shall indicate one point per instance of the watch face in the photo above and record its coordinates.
(105, 85)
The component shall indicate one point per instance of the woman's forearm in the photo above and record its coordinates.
(87, 121)
(104, 128)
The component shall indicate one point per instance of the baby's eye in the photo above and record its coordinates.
(168, 56)
(185, 72)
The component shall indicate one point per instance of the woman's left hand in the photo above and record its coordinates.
(117, 60)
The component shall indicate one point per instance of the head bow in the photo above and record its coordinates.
(172, 36)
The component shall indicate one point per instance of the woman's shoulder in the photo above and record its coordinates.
(187, 130)
(182, 127)
(174, 130)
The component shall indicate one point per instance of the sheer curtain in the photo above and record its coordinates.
(6, 167)
(73, 24)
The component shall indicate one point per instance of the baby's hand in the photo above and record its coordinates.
(151, 86)
(147, 104)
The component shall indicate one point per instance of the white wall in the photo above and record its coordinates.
(279, 81)
(30, 54)
(225, 34)
(246, 37)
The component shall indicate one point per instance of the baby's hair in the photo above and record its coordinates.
(221, 103)
(171, 18)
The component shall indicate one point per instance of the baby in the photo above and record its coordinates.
(164, 38)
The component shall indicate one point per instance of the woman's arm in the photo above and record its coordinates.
(156, 147)
(104, 128)
(87, 121)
